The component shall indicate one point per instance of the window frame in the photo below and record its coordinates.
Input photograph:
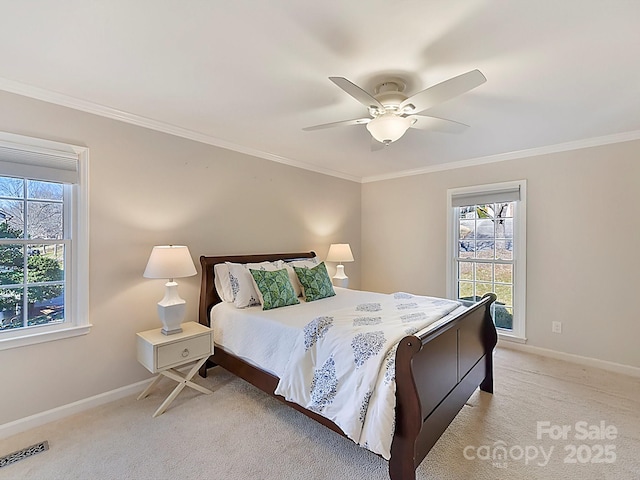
(77, 212)
(518, 333)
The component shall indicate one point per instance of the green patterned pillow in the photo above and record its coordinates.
(274, 288)
(315, 282)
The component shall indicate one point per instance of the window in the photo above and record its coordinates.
(43, 241)
(487, 250)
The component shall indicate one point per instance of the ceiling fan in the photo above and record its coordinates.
(392, 113)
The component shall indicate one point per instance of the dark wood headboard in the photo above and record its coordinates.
(208, 295)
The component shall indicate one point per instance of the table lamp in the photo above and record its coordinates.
(340, 252)
(170, 261)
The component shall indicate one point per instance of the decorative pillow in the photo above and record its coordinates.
(242, 283)
(223, 282)
(293, 278)
(315, 282)
(310, 263)
(274, 288)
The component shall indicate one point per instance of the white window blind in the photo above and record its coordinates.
(38, 163)
(510, 194)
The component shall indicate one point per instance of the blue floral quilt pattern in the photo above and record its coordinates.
(343, 366)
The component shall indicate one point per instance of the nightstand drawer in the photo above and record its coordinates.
(182, 351)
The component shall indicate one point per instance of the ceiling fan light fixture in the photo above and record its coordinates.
(388, 128)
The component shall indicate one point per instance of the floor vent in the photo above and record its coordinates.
(24, 453)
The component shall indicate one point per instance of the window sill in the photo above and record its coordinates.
(42, 337)
(510, 337)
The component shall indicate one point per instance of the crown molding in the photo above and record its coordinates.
(63, 100)
(502, 157)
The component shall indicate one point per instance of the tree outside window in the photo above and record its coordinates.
(32, 253)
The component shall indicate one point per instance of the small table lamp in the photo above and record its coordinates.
(340, 252)
(170, 261)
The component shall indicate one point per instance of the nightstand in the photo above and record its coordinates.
(162, 354)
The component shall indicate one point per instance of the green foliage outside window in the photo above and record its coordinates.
(40, 268)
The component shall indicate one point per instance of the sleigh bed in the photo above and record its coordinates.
(436, 369)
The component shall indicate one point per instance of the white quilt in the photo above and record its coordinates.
(342, 365)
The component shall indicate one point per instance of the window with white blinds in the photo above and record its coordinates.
(486, 250)
(43, 240)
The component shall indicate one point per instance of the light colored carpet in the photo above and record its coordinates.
(241, 433)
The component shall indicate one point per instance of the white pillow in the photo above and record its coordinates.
(222, 282)
(243, 284)
(293, 278)
(306, 263)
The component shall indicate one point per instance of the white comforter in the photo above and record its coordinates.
(342, 364)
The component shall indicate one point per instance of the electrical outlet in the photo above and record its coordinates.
(556, 327)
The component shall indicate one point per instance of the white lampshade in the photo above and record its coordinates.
(339, 252)
(388, 127)
(170, 261)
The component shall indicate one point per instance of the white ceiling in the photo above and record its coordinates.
(249, 75)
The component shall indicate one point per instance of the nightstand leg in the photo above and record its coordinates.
(151, 385)
(169, 399)
(183, 381)
(186, 379)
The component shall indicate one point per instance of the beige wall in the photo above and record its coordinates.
(583, 233)
(149, 188)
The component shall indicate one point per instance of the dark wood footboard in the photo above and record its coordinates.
(436, 372)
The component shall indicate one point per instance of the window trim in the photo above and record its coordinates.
(518, 334)
(78, 285)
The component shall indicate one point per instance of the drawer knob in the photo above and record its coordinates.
(185, 353)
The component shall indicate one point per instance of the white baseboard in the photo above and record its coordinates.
(23, 424)
(569, 357)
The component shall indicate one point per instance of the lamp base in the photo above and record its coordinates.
(171, 332)
(340, 279)
(171, 310)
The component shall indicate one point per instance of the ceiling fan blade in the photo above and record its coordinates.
(356, 92)
(355, 121)
(437, 124)
(443, 91)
